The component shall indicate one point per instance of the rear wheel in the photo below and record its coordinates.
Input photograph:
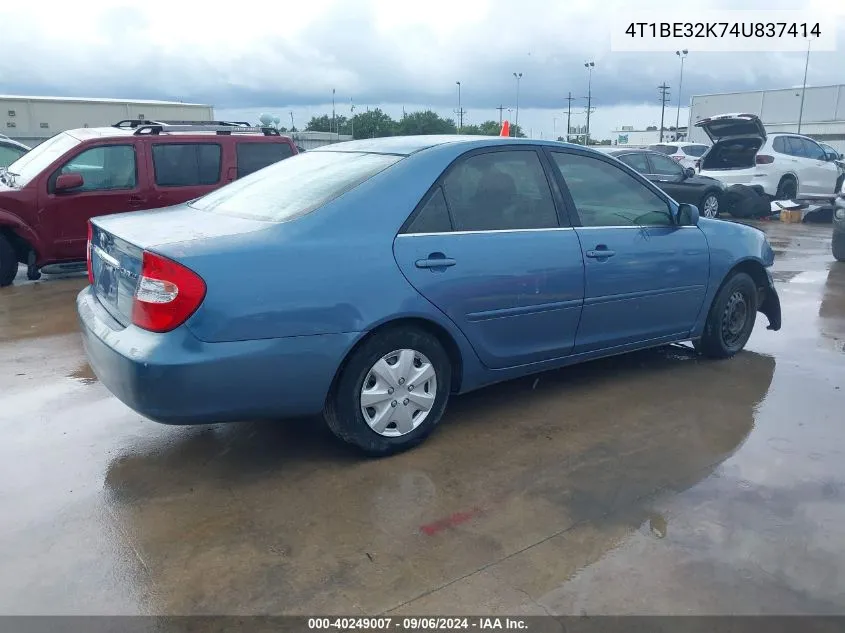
(838, 245)
(839, 181)
(8, 262)
(787, 188)
(731, 318)
(710, 205)
(391, 392)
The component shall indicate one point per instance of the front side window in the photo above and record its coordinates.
(500, 191)
(296, 186)
(255, 156)
(186, 164)
(663, 166)
(104, 168)
(605, 195)
(637, 162)
(812, 149)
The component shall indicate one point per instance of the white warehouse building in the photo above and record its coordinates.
(32, 120)
(823, 116)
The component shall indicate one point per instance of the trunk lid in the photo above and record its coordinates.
(732, 125)
(118, 243)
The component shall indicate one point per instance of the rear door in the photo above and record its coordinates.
(113, 183)
(488, 248)
(184, 170)
(645, 276)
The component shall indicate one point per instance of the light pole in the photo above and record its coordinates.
(291, 121)
(554, 128)
(682, 54)
(804, 85)
(351, 118)
(517, 76)
(589, 66)
(460, 109)
(334, 127)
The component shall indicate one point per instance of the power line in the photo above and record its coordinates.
(664, 99)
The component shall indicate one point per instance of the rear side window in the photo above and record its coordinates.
(500, 191)
(433, 217)
(294, 187)
(637, 162)
(779, 145)
(186, 164)
(794, 145)
(255, 156)
(694, 150)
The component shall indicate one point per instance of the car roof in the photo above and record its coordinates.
(407, 145)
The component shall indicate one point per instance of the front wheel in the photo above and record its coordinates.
(8, 262)
(710, 205)
(731, 318)
(838, 246)
(391, 392)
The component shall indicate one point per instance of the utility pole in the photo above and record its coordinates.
(804, 85)
(460, 110)
(500, 109)
(292, 126)
(664, 98)
(569, 115)
(682, 54)
(351, 118)
(589, 66)
(334, 125)
(517, 76)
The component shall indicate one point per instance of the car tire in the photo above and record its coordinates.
(730, 319)
(838, 188)
(713, 199)
(837, 245)
(787, 189)
(392, 424)
(8, 262)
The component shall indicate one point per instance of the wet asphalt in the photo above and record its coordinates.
(653, 483)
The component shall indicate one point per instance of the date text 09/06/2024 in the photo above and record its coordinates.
(417, 623)
(724, 29)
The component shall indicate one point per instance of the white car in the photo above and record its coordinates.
(686, 154)
(784, 166)
(10, 150)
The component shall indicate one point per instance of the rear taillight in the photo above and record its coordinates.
(166, 295)
(765, 159)
(88, 254)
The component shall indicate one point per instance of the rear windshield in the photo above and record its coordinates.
(695, 150)
(666, 149)
(295, 186)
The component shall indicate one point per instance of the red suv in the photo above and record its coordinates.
(48, 194)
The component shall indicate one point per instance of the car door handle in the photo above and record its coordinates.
(435, 260)
(600, 253)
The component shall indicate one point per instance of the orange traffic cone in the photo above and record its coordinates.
(506, 129)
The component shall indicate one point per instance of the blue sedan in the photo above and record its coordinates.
(368, 281)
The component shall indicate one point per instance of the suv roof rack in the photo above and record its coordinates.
(223, 128)
(136, 123)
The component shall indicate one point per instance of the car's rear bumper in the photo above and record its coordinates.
(753, 177)
(175, 378)
(839, 208)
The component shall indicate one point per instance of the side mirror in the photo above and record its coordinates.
(68, 182)
(689, 172)
(687, 215)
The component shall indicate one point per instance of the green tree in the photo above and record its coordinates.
(324, 123)
(490, 128)
(425, 122)
(373, 123)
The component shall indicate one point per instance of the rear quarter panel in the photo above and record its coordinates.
(730, 244)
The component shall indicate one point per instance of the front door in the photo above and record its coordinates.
(646, 277)
(821, 173)
(111, 184)
(487, 248)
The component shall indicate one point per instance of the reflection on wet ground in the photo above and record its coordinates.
(651, 483)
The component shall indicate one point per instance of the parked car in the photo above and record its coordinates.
(393, 272)
(783, 166)
(838, 241)
(49, 193)
(681, 183)
(10, 151)
(687, 154)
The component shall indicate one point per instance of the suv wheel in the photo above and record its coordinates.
(838, 246)
(391, 392)
(839, 182)
(787, 188)
(8, 262)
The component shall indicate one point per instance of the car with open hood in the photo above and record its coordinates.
(783, 166)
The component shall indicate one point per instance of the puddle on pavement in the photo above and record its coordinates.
(84, 374)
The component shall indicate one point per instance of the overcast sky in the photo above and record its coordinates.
(288, 56)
